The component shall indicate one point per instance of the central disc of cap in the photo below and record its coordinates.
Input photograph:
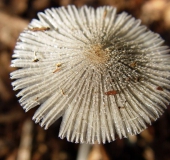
(97, 54)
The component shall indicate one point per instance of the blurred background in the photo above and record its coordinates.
(22, 139)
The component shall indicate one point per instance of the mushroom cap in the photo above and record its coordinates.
(104, 73)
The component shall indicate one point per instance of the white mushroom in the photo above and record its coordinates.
(103, 72)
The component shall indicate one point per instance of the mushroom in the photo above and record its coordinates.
(98, 70)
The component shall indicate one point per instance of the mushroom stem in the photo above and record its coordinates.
(24, 151)
(92, 152)
(98, 153)
(83, 151)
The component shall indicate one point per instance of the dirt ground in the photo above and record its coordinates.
(20, 136)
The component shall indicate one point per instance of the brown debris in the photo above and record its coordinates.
(62, 92)
(36, 98)
(35, 29)
(58, 67)
(137, 79)
(133, 64)
(58, 64)
(56, 70)
(113, 92)
(36, 60)
(121, 107)
(35, 57)
(159, 88)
